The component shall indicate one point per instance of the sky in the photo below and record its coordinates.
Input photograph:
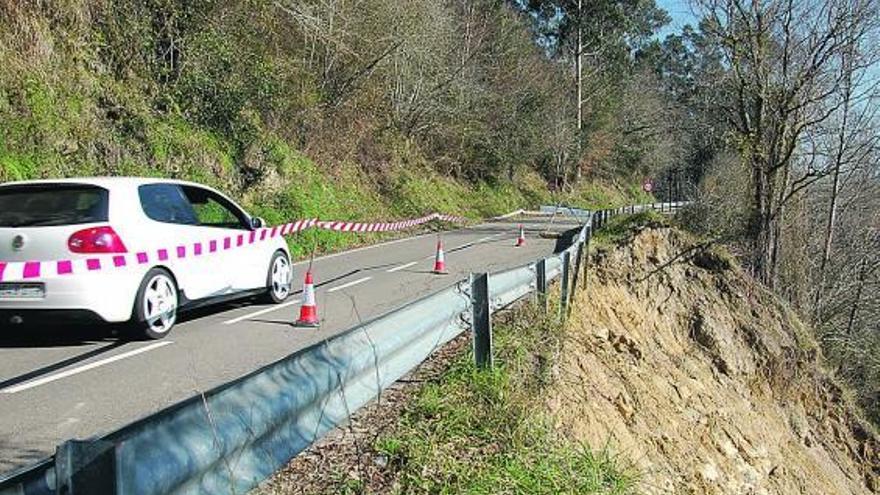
(681, 14)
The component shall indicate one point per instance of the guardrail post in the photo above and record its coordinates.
(586, 256)
(566, 274)
(577, 270)
(541, 283)
(481, 320)
(85, 467)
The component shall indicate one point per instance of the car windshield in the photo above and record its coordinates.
(45, 205)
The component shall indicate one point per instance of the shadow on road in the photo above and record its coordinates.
(283, 323)
(565, 240)
(45, 370)
(67, 335)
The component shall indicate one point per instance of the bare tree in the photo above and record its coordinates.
(851, 148)
(785, 77)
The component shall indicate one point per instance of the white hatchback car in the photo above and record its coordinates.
(186, 245)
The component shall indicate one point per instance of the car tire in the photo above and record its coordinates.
(278, 278)
(155, 305)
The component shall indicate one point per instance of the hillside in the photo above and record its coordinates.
(299, 109)
(703, 381)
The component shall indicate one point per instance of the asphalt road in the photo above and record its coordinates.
(61, 383)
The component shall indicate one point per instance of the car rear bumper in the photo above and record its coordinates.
(106, 296)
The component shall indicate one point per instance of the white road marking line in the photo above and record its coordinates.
(401, 267)
(466, 245)
(472, 243)
(372, 246)
(260, 312)
(488, 238)
(344, 286)
(73, 371)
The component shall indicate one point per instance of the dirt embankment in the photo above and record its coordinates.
(704, 382)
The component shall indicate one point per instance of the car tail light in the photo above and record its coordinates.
(96, 240)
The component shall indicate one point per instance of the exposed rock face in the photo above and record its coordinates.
(703, 381)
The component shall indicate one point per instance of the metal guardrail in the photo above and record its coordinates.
(565, 210)
(229, 439)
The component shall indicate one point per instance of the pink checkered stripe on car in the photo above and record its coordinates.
(36, 269)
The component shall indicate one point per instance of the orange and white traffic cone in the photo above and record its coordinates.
(440, 259)
(521, 240)
(308, 312)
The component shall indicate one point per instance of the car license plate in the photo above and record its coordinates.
(33, 290)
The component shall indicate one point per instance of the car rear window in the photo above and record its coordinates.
(46, 205)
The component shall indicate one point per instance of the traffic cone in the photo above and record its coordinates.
(521, 240)
(440, 259)
(308, 312)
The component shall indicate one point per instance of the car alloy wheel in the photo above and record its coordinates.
(156, 305)
(160, 304)
(278, 279)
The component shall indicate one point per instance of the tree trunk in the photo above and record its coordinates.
(580, 87)
(863, 270)
(776, 224)
(826, 249)
(835, 187)
(761, 227)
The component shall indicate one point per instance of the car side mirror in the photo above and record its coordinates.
(257, 222)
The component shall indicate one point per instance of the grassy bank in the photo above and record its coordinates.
(284, 183)
(621, 228)
(486, 432)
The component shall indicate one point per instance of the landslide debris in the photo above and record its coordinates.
(707, 383)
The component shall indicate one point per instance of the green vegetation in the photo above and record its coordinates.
(486, 432)
(310, 109)
(621, 228)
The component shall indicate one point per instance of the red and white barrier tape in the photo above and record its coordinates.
(33, 270)
(385, 227)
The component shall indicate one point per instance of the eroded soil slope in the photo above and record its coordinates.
(704, 382)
